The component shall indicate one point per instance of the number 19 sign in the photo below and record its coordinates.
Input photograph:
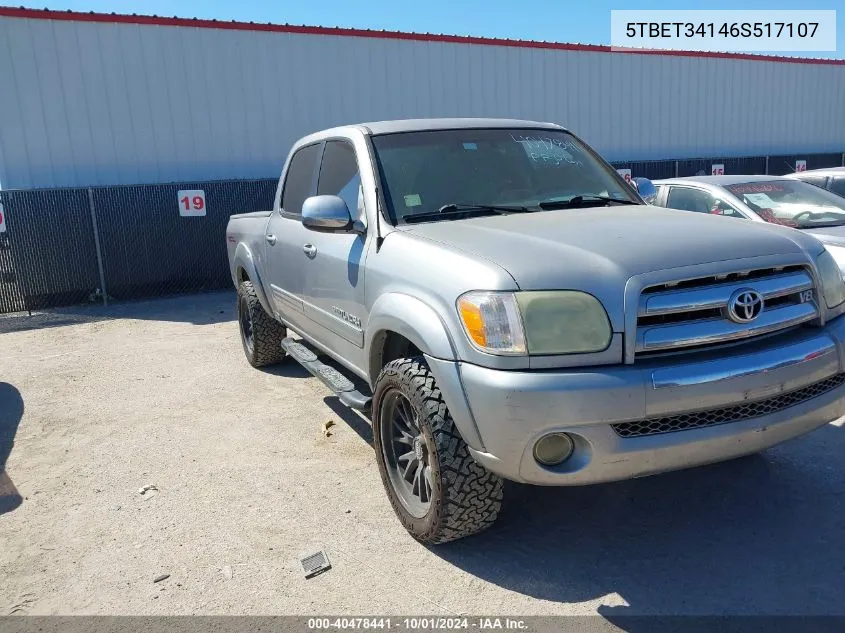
(191, 202)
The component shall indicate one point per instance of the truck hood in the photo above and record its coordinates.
(598, 249)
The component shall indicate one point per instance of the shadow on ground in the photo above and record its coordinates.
(199, 309)
(358, 422)
(760, 535)
(11, 412)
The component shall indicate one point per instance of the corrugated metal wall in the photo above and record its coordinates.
(100, 104)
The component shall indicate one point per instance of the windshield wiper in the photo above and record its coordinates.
(577, 201)
(460, 209)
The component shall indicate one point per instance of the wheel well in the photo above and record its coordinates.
(242, 275)
(389, 346)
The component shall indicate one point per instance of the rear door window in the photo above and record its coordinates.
(299, 179)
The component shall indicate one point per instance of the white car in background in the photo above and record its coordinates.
(830, 178)
(774, 199)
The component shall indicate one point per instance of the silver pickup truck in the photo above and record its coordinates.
(505, 305)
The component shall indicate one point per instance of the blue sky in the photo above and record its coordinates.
(585, 21)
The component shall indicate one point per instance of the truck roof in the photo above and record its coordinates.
(421, 125)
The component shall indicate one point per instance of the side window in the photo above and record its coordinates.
(298, 180)
(818, 181)
(837, 185)
(690, 200)
(339, 174)
(699, 201)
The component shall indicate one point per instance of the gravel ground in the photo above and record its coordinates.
(96, 403)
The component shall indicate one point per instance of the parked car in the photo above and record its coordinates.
(507, 307)
(773, 199)
(831, 178)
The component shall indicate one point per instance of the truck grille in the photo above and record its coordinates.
(735, 413)
(696, 313)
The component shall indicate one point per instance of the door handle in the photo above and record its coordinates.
(271, 239)
(310, 250)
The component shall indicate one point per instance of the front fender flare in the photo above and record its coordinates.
(422, 325)
(409, 317)
(243, 259)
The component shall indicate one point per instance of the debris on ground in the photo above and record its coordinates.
(148, 491)
(22, 606)
(314, 564)
(160, 578)
(227, 572)
(328, 424)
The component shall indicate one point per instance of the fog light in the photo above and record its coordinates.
(552, 449)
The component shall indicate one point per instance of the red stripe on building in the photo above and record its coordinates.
(152, 20)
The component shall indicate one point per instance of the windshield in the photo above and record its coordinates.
(791, 203)
(423, 172)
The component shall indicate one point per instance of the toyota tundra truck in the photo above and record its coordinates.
(503, 305)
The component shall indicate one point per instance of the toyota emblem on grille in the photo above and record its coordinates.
(745, 305)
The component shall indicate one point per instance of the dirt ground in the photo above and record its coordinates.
(96, 403)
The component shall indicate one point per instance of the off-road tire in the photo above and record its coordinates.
(267, 333)
(465, 497)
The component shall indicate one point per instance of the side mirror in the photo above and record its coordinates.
(327, 214)
(646, 189)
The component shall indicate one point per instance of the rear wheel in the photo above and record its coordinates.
(436, 488)
(261, 334)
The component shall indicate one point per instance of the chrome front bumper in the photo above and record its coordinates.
(512, 410)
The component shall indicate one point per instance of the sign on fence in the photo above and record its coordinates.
(800, 165)
(191, 202)
(717, 169)
(626, 174)
(2, 219)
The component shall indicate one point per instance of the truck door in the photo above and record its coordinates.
(286, 263)
(334, 293)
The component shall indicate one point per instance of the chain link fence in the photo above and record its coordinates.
(774, 165)
(72, 246)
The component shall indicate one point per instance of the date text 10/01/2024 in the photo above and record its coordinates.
(418, 623)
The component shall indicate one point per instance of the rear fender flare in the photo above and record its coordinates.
(243, 259)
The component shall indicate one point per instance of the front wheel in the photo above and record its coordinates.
(436, 488)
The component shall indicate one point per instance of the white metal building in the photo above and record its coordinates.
(93, 99)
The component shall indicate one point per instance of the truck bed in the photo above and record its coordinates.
(248, 228)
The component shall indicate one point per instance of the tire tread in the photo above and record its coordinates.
(472, 494)
(267, 332)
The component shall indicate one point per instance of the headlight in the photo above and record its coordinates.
(491, 320)
(833, 287)
(542, 322)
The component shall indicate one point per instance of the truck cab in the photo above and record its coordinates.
(505, 306)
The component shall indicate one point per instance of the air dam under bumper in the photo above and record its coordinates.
(514, 409)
